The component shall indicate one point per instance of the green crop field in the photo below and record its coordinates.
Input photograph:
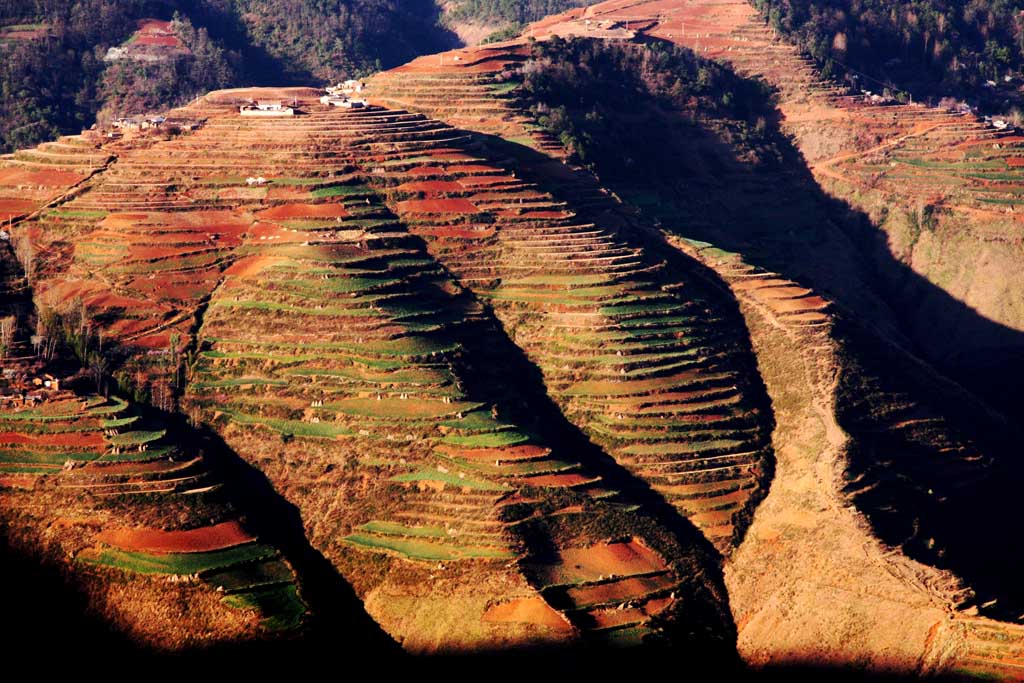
(177, 563)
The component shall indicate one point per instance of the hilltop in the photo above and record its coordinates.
(616, 340)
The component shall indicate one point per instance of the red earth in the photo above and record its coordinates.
(160, 41)
(431, 186)
(437, 206)
(286, 211)
(216, 537)
(69, 439)
(533, 610)
(11, 208)
(22, 176)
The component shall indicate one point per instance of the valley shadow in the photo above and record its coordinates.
(337, 622)
(496, 371)
(776, 216)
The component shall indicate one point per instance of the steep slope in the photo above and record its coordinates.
(939, 183)
(657, 377)
(330, 351)
(891, 434)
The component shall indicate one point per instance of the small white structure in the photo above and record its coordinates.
(138, 122)
(347, 88)
(263, 108)
(256, 181)
(332, 100)
(1000, 124)
(5, 236)
(345, 102)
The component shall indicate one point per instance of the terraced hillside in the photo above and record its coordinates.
(939, 184)
(139, 521)
(894, 435)
(304, 324)
(658, 378)
(331, 358)
(31, 179)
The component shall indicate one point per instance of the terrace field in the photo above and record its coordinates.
(430, 381)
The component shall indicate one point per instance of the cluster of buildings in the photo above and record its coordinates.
(341, 95)
(20, 387)
(134, 124)
(266, 108)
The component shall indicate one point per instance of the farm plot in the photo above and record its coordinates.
(98, 462)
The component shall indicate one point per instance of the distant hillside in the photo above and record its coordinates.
(56, 70)
(932, 47)
(488, 21)
(512, 10)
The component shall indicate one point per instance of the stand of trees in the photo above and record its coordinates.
(57, 82)
(932, 47)
(516, 11)
(607, 101)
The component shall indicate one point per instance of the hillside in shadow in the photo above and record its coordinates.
(916, 433)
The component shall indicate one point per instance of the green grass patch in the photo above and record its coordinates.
(396, 529)
(511, 437)
(65, 213)
(450, 478)
(178, 563)
(340, 191)
(280, 606)
(137, 438)
(21, 457)
(416, 549)
(250, 576)
(318, 430)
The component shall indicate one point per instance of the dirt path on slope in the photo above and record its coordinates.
(825, 165)
(810, 583)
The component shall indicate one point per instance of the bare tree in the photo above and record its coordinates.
(8, 326)
(25, 251)
(98, 367)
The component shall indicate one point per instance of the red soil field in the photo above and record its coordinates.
(160, 41)
(16, 207)
(557, 480)
(1015, 162)
(450, 156)
(21, 176)
(807, 303)
(491, 454)
(466, 60)
(425, 171)
(622, 559)
(461, 233)
(609, 617)
(512, 213)
(70, 439)
(18, 481)
(158, 340)
(279, 235)
(216, 537)
(140, 467)
(238, 95)
(120, 219)
(472, 168)
(286, 211)
(251, 266)
(484, 181)
(437, 206)
(246, 193)
(527, 611)
(620, 590)
(287, 193)
(431, 186)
